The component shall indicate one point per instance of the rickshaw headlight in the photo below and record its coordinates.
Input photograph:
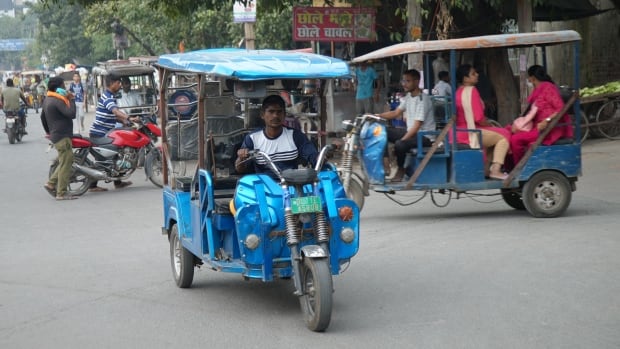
(347, 235)
(252, 241)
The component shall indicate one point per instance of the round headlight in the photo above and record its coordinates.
(347, 235)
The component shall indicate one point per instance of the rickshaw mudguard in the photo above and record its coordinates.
(373, 137)
(177, 211)
(564, 158)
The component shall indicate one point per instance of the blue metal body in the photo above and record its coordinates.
(217, 237)
(460, 169)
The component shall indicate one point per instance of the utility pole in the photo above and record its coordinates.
(525, 23)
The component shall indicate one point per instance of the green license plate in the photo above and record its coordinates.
(306, 204)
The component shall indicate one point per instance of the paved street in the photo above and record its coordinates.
(95, 272)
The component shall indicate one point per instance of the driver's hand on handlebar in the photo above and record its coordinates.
(242, 154)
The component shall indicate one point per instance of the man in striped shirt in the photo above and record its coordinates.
(106, 116)
(283, 145)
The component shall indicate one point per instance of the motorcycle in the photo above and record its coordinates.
(115, 156)
(15, 124)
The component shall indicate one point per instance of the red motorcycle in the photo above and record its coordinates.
(115, 156)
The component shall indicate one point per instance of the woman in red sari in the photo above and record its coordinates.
(470, 115)
(546, 97)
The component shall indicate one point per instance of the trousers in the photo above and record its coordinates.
(62, 173)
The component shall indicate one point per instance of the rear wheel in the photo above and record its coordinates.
(181, 260)
(10, 131)
(513, 198)
(316, 302)
(608, 118)
(547, 194)
(78, 182)
(585, 128)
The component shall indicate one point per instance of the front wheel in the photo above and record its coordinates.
(181, 260)
(153, 167)
(547, 194)
(316, 302)
(78, 182)
(356, 193)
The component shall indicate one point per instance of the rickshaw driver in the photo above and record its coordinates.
(418, 109)
(284, 145)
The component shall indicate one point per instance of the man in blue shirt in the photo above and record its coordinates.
(365, 77)
(283, 145)
(106, 116)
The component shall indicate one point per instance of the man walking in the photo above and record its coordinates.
(57, 116)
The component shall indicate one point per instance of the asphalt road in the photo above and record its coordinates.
(95, 272)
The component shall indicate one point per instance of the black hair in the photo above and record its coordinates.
(442, 74)
(9, 82)
(125, 80)
(54, 83)
(111, 78)
(412, 73)
(538, 72)
(462, 71)
(271, 100)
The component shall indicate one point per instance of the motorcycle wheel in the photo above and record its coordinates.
(356, 193)
(153, 167)
(10, 131)
(78, 183)
(316, 302)
(18, 135)
(181, 260)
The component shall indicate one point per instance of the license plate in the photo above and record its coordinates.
(306, 204)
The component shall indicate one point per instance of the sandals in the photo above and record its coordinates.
(66, 197)
(50, 190)
(500, 177)
(97, 189)
(122, 185)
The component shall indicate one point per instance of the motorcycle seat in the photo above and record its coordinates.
(299, 176)
(101, 140)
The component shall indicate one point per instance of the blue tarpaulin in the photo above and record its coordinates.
(256, 64)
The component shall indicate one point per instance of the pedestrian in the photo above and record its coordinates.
(77, 88)
(57, 116)
(367, 92)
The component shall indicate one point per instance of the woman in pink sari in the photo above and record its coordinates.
(470, 115)
(547, 100)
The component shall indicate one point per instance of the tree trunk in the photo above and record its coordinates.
(506, 90)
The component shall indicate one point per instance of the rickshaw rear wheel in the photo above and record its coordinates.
(181, 260)
(512, 197)
(316, 302)
(547, 194)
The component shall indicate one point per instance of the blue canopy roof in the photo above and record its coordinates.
(256, 64)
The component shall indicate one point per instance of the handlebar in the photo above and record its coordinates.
(254, 153)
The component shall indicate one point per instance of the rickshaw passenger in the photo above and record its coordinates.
(419, 116)
(286, 146)
(470, 115)
(548, 102)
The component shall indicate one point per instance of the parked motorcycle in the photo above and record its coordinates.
(115, 156)
(13, 127)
